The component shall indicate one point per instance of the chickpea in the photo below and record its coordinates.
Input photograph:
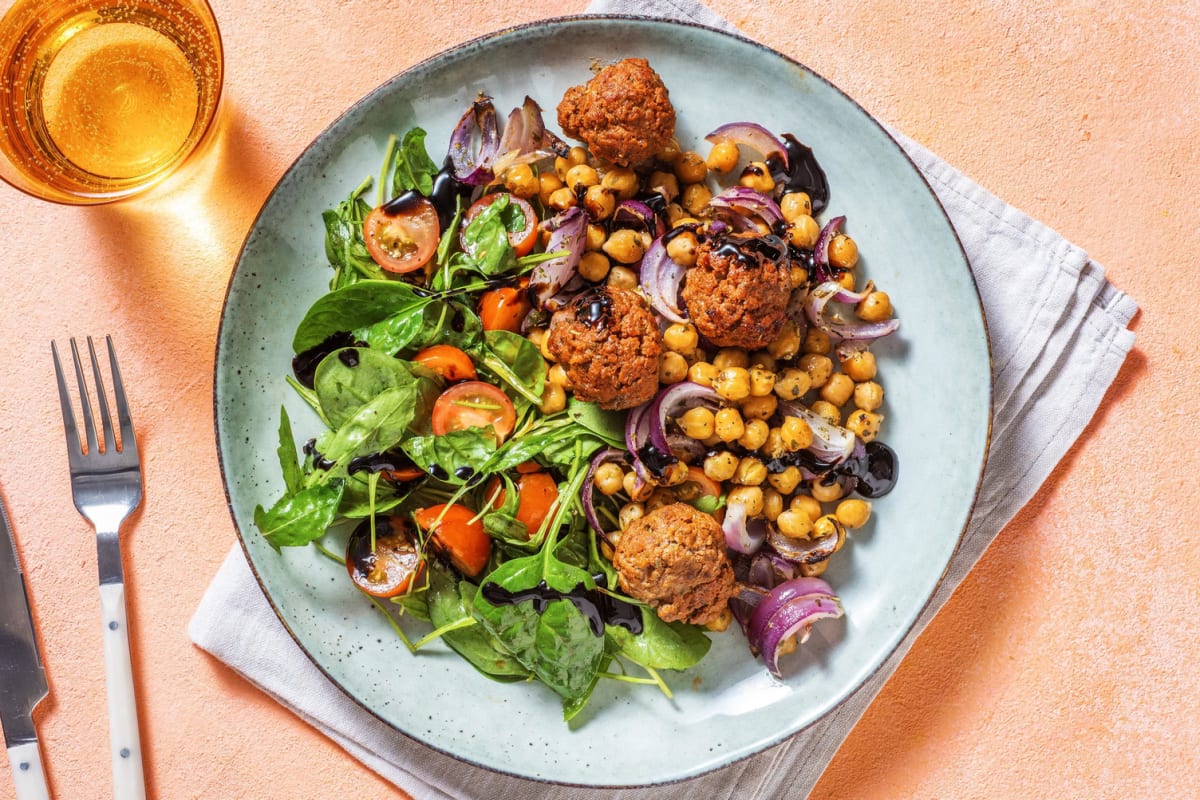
(702, 373)
(675, 474)
(521, 181)
(625, 247)
(794, 524)
(807, 505)
(537, 336)
(864, 424)
(666, 183)
(762, 382)
(843, 252)
(623, 182)
(773, 446)
(803, 232)
(681, 337)
(763, 360)
(818, 367)
(660, 498)
(637, 491)
(860, 366)
(796, 434)
(562, 199)
(561, 165)
(629, 513)
(720, 623)
(814, 570)
(868, 396)
(757, 176)
(798, 276)
(548, 183)
(785, 482)
(577, 155)
(554, 398)
(595, 236)
(683, 249)
(875, 307)
(792, 384)
(608, 479)
(622, 278)
(846, 280)
(728, 357)
(732, 383)
(837, 389)
(828, 525)
(581, 175)
(787, 343)
(772, 504)
(755, 434)
(749, 496)
(599, 202)
(817, 341)
(750, 472)
(690, 167)
(723, 157)
(759, 407)
(558, 375)
(720, 466)
(672, 368)
(826, 409)
(697, 423)
(544, 347)
(646, 239)
(695, 198)
(675, 215)
(669, 153)
(593, 266)
(729, 425)
(853, 513)
(826, 492)
(795, 205)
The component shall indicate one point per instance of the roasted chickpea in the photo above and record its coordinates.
(806, 504)
(860, 366)
(720, 622)
(757, 176)
(675, 215)
(698, 423)
(865, 424)
(772, 504)
(846, 280)
(755, 434)
(702, 373)
(690, 167)
(723, 157)
(794, 524)
(853, 513)
(828, 525)
(826, 492)
(548, 183)
(875, 307)
(814, 570)
(666, 183)
(581, 175)
(683, 249)
(596, 236)
(720, 466)
(828, 410)
(785, 482)
(818, 367)
(837, 389)
(593, 266)
(543, 344)
(695, 198)
(749, 496)
(795, 205)
(796, 434)
(868, 396)
(787, 343)
(732, 383)
(521, 181)
(537, 336)
(763, 360)
(562, 199)
(803, 232)
(669, 152)
(609, 479)
(675, 474)
(623, 182)
(759, 407)
(637, 493)
(625, 247)
(556, 374)
(660, 498)
(843, 252)
(599, 202)
(773, 446)
(622, 278)
(750, 472)
(731, 357)
(729, 425)
(762, 382)
(672, 368)
(554, 398)
(817, 341)
(792, 384)
(681, 337)
(798, 276)
(630, 513)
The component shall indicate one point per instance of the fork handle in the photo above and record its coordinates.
(29, 778)
(123, 738)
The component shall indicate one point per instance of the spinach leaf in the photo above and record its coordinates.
(514, 360)
(441, 455)
(344, 246)
(608, 425)
(449, 600)
(342, 389)
(353, 308)
(300, 517)
(356, 501)
(661, 645)
(560, 451)
(485, 238)
(414, 168)
(448, 322)
(376, 426)
(289, 463)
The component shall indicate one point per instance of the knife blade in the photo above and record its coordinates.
(22, 676)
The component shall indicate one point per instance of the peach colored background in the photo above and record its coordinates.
(1065, 665)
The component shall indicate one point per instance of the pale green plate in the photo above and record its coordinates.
(935, 371)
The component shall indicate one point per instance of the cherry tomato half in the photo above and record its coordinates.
(536, 493)
(457, 535)
(390, 569)
(696, 486)
(505, 308)
(448, 361)
(402, 236)
(522, 240)
(474, 404)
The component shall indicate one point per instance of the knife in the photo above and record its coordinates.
(22, 677)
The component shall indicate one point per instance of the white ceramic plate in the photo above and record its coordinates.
(936, 373)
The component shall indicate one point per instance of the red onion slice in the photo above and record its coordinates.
(789, 609)
(660, 278)
(806, 551)
(832, 444)
(742, 534)
(821, 249)
(637, 215)
(673, 401)
(568, 231)
(525, 139)
(820, 296)
(474, 166)
(743, 199)
(753, 136)
(606, 456)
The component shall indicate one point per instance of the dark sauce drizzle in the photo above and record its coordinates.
(804, 173)
(319, 461)
(304, 365)
(875, 472)
(446, 191)
(594, 308)
(599, 608)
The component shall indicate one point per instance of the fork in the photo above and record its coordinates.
(107, 486)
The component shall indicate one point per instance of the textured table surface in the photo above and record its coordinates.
(1035, 681)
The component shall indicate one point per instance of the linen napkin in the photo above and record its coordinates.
(1052, 360)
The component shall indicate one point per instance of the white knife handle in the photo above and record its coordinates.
(28, 775)
(123, 738)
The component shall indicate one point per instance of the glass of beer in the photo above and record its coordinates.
(101, 99)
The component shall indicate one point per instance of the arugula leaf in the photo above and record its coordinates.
(289, 463)
(485, 238)
(376, 426)
(439, 455)
(608, 425)
(449, 600)
(300, 517)
(414, 168)
(343, 389)
(661, 645)
(355, 308)
(344, 246)
(515, 360)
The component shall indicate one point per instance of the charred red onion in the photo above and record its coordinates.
(832, 444)
(744, 199)
(754, 136)
(473, 165)
(790, 609)
(609, 455)
(661, 276)
(525, 139)
(637, 215)
(568, 231)
(807, 551)
(820, 296)
(742, 534)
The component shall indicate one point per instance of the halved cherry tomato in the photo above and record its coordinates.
(522, 240)
(448, 361)
(457, 535)
(696, 486)
(402, 235)
(390, 569)
(505, 308)
(474, 404)
(536, 493)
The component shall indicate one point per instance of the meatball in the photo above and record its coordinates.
(608, 342)
(674, 559)
(623, 114)
(737, 294)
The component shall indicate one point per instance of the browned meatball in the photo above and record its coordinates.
(608, 342)
(674, 559)
(737, 294)
(623, 114)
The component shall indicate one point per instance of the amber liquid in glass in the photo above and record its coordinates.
(101, 98)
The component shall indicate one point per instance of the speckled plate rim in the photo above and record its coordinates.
(564, 20)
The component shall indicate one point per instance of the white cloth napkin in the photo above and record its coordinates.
(1052, 361)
